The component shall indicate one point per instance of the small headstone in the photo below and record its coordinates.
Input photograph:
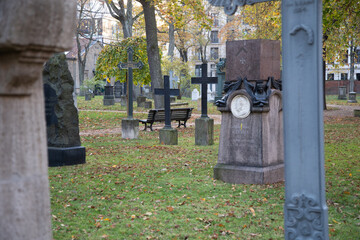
(148, 104)
(352, 97)
(140, 100)
(109, 98)
(88, 96)
(172, 99)
(195, 95)
(210, 96)
(117, 91)
(342, 93)
(62, 124)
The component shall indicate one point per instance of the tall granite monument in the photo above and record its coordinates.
(62, 122)
(31, 31)
(251, 138)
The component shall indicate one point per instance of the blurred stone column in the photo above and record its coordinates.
(31, 31)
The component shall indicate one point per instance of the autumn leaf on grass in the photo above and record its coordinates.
(252, 211)
(170, 209)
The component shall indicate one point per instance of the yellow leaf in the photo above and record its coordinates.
(252, 211)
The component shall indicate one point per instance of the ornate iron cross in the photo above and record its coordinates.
(166, 91)
(204, 80)
(130, 65)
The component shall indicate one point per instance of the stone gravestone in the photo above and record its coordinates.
(109, 98)
(62, 122)
(140, 100)
(195, 95)
(342, 93)
(29, 36)
(251, 139)
(117, 91)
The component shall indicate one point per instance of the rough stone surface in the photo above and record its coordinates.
(130, 128)
(255, 142)
(255, 59)
(204, 131)
(63, 130)
(168, 136)
(31, 31)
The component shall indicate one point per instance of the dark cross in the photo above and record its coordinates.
(167, 92)
(130, 65)
(204, 80)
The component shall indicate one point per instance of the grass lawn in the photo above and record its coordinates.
(139, 189)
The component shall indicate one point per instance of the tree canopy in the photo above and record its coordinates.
(112, 55)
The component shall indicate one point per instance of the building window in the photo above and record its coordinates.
(345, 59)
(330, 76)
(213, 70)
(215, 18)
(344, 76)
(198, 54)
(198, 70)
(358, 76)
(214, 53)
(214, 36)
(357, 56)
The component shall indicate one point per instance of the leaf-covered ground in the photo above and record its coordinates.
(139, 189)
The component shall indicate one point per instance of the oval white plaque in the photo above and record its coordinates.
(240, 106)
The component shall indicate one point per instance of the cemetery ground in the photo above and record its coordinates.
(139, 189)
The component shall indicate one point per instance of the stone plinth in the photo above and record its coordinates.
(130, 128)
(352, 97)
(66, 156)
(251, 148)
(204, 131)
(255, 59)
(31, 31)
(168, 136)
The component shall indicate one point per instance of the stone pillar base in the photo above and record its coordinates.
(352, 97)
(130, 128)
(249, 175)
(168, 136)
(66, 156)
(204, 131)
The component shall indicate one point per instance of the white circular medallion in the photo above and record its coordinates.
(240, 106)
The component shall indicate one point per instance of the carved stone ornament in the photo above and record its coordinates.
(303, 218)
(230, 6)
(240, 106)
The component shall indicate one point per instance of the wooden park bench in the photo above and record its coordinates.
(158, 115)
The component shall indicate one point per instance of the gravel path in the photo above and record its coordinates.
(334, 111)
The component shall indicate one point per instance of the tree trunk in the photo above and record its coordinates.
(352, 66)
(171, 41)
(153, 49)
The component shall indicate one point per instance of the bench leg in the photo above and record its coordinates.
(184, 123)
(179, 124)
(151, 126)
(145, 127)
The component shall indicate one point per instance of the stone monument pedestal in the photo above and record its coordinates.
(130, 128)
(251, 148)
(204, 131)
(66, 156)
(352, 97)
(168, 136)
(109, 100)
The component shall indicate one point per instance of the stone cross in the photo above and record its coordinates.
(305, 210)
(130, 65)
(204, 80)
(30, 35)
(166, 91)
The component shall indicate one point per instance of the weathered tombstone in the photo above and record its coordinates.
(342, 93)
(167, 135)
(62, 122)
(29, 36)
(251, 139)
(211, 95)
(195, 95)
(148, 104)
(140, 100)
(117, 91)
(352, 97)
(129, 125)
(220, 69)
(109, 98)
(204, 126)
(88, 96)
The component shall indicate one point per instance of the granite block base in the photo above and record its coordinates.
(66, 156)
(204, 131)
(249, 175)
(110, 101)
(130, 128)
(168, 136)
(352, 97)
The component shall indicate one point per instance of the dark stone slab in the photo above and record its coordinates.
(255, 59)
(66, 156)
(51, 99)
(204, 131)
(117, 89)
